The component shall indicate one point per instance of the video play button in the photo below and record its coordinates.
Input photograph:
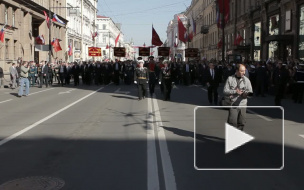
(235, 138)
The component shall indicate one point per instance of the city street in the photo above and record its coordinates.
(102, 137)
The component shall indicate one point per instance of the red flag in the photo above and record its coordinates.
(70, 49)
(238, 39)
(116, 40)
(155, 38)
(40, 40)
(107, 47)
(181, 30)
(2, 35)
(47, 19)
(220, 44)
(55, 43)
(224, 8)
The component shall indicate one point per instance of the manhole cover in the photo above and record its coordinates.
(33, 183)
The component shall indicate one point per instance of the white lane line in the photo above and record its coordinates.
(2, 142)
(204, 89)
(41, 91)
(153, 178)
(168, 172)
(301, 136)
(263, 117)
(6, 101)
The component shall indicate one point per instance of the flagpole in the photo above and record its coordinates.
(50, 40)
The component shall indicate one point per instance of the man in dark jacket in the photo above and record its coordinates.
(261, 79)
(280, 77)
(1, 77)
(213, 80)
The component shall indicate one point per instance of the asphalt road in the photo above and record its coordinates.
(102, 137)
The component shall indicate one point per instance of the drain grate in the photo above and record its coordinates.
(34, 183)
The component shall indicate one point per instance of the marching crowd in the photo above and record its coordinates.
(272, 77)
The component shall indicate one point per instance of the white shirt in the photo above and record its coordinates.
(212, 73)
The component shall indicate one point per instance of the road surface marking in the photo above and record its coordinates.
(67, 92)
(204, 89)
(2, 142)
(41, 91)
(122, 92)
(6, 101)
(168, 172)
(263, 117)
(301, 136)
(153, 178)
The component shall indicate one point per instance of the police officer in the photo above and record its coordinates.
(141, 79)
(166, 79)
(299, 85)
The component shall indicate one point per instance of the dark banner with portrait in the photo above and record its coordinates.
(163, 51)
(191, 52)
(119, 52)
(144, 51)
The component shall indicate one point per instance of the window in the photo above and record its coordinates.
(15, 49)
(13, 18)
(6, 48)
(274, 25)
(104, 26)
(5, 14)
(301, 33)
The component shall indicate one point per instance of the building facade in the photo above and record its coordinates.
(177, 47)
(267, 29)
(81, 28)
(108, 32)
(22, 22)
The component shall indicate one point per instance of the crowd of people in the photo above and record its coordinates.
(272, 77)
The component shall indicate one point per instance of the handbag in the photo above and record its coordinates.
(226, 101)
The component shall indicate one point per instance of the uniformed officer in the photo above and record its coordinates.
(152, 74)
(166, 79)
(299, 85)
(141, 79)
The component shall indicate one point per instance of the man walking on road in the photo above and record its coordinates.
(24, 79)
(213, 80)
(237, 88)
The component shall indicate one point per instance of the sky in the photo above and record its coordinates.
(137, 17)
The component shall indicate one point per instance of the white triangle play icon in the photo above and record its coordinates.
(235, 138)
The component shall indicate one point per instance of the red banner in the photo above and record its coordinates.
(94, 51)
